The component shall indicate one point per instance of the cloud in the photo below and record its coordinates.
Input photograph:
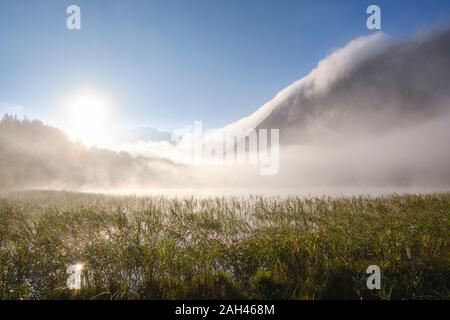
(329, 70)
(404, 83)
(373, 115)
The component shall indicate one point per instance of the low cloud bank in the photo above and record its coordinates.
(374, 114)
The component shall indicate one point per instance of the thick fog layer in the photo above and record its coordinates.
(374, 114)
(404, 85)
(33, 155)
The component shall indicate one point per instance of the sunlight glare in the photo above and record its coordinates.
(88, 115)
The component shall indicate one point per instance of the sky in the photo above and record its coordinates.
(165, 64)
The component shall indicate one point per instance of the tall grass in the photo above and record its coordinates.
(222, 248)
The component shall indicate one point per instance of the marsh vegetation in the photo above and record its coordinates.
(221, 248)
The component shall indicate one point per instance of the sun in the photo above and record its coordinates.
(88, 116)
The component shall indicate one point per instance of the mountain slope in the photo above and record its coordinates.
(371, 85)
(33, 155)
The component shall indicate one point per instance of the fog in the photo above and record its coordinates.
(33, 155)
(371, 117)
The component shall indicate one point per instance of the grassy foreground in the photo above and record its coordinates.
(153, 248)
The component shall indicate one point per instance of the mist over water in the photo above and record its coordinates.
(373, 117)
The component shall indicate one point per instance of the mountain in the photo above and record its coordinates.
(374, 84)
(144, 134)
(34, 155)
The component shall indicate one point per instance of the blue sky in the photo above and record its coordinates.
(168, 63)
